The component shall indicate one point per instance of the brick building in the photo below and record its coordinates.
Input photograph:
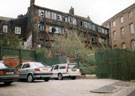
(122, 29)
(40, 26)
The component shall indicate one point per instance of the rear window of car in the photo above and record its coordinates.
(2, 65)
(72, 66)
(19, 66)
(39, 65)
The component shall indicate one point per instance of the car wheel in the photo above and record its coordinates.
(46, 79)
(30, 78)
(60, 77)
(8, 82)
(73, 78)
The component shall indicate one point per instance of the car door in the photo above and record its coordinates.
(24, 70)
(55, 70)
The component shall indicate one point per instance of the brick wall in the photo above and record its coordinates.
(13, 62)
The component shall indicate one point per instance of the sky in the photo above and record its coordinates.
(98, 10)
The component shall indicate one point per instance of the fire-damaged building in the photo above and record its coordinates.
(40, 26)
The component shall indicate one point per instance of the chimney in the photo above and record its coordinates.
(88, 18)
(32, 2)
(71, 11)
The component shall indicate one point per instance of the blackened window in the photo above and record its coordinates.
(81, 23)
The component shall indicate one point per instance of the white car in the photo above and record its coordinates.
(61, 71)
(33, 71)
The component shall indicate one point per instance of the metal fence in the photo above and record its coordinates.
(116, 64)
(41, 57)
(38, 56)
(16, 53)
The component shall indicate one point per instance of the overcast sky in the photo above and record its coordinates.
(98, 10)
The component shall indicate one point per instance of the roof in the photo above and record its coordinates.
(121, 12)
(5, 18)
(86, 19)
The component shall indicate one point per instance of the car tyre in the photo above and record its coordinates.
(73, 78)
(30, 78)
(8, 82)
(60, 77)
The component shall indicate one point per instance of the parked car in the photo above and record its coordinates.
(34, 71)
(61, 71)
(7, 74)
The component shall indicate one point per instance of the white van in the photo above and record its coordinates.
(61, 71)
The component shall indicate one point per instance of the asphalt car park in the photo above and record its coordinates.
(66, 87)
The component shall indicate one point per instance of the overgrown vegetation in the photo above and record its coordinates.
(73, 47)
(10, 40)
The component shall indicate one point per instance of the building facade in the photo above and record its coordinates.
(40, 26)
(122, 29)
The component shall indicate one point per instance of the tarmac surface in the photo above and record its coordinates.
(79, 87)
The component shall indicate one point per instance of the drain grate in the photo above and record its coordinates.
(105, 89)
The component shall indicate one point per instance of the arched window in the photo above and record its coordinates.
(123, 45)
(115, 46)
(133, 44)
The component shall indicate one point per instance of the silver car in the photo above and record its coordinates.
(34, 71)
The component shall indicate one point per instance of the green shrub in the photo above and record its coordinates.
(87, 70)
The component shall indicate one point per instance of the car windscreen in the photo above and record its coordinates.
(72, 66)
(2, 65)
(39, 65)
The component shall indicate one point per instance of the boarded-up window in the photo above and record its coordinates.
(93, 27)
(17, 30)
(99, 29)
(85, 24)
(54, 16)
(74, 21)
(48, 14)
(5, 28)
(89, 25)
(70, 20)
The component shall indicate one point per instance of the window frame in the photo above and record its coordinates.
(130, 15)
(121, 19)
(5, 28)
(132, 43)
(17, 30)
(123, 43)
(122, 31)
(40, 11)
(131, 29)
(114, 35)
(114, 23)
